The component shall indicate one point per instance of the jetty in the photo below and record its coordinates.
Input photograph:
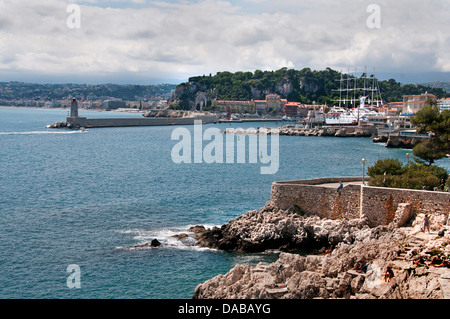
(249, 120)
(291, 130)
(76, 121)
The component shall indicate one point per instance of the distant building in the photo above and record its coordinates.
(113, 104)
(393, 108)
(234, 106)
(292, 108)
(272, 102)
(414, 103)
(444, 104)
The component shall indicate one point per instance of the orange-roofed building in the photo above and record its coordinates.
(414, 103)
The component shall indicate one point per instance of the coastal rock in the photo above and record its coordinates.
(380, 139)
(180, 236)
(153, 243)
(286, 230)
(341, 133)
(405, 142)
(332, 275)
(332, 252)
(62, 124)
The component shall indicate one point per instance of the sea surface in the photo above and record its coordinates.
(86, 198)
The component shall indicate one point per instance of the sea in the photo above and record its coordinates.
(75, 204)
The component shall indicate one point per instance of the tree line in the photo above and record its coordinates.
(306, 85)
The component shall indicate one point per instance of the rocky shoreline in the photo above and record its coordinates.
(323, 258)
(290, 130)
(319, 258)
(391, 141)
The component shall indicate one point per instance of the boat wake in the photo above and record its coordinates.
(42, 132)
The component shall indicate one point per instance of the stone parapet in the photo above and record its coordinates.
(380, 206)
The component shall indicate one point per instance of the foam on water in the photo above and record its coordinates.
(166, 236)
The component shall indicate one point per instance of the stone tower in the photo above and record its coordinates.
(74, 119)
(74, 108)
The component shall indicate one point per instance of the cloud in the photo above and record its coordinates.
(178, 39)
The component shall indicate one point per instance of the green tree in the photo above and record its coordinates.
(430, 151)
(437, 124)
(389, 166)
(391, 173)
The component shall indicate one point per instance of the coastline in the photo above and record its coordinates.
(328, 267)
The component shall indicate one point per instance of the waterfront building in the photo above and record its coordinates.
(113, 104)
(234, 106)
(394, 108)
(261, 106)
(444, 104)
(292, 108)
(414, 103)
(272, 102)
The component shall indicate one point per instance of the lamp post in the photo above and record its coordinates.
(364, 168)
(407, 158)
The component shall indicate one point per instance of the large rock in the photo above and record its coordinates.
(330, 276)
(271, 228)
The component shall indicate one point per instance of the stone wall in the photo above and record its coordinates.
(380, 205)
(313, 198)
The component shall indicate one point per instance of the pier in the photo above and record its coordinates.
(249, 120)
(124, 122)
(75, 121)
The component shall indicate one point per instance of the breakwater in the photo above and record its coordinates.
(288, 130)
(77, 122)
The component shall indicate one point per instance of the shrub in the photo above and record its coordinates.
(389, 165)
(411, 176)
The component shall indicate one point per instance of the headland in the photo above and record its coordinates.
(363, 243)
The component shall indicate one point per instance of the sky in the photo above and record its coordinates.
(151, 42)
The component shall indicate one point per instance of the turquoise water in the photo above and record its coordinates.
(85, 198)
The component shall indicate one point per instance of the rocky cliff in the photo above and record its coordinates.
(295, 85)
(332, 252)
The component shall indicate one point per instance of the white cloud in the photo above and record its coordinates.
(178, 39)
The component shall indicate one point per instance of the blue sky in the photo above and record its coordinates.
(146, 42)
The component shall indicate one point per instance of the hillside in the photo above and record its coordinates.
(10, 91)
(445, 85)
(303, 86)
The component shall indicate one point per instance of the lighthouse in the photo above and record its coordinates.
(74, 120)
(74, 108)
